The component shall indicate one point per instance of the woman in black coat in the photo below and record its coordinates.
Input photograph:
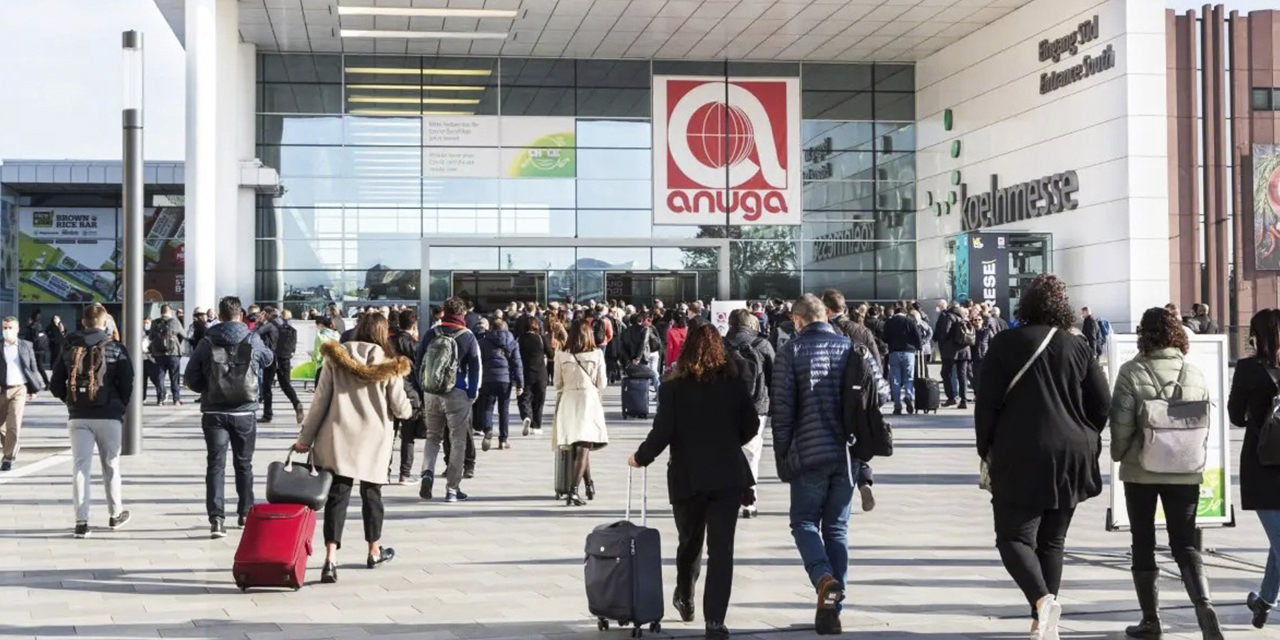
(706, 415)
(535, 351)
(1253, 389)
(1040, 434)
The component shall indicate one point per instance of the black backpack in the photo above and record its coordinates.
(865, 430)
(164, 342)
(750, 366)
(598, 331)
(231, 375)
(286, 344)
(86, 377)
(963, 334)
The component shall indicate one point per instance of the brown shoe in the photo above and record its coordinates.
(827, 617)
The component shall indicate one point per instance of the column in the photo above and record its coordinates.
(227, 153)
(201, 154)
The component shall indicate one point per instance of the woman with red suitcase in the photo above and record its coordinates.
(349, 430)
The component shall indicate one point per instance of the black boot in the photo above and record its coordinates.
(1197, 584)
(683, 602)
(1144, 583)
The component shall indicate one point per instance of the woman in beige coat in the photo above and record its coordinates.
(579, 423)
(349, 430)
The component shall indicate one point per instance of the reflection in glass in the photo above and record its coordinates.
(614, 134)
(447, 258)
(625, 258)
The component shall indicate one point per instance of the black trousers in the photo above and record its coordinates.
(240, 434)
(712, 517)
(1031, 543)
(167, 366)
(335, 510)
(532, 402)
(1180, 502)
(405, 428)
(284, 377)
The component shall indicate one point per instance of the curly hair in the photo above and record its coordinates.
(1160, 329)
(1045, 302)
(704, 357)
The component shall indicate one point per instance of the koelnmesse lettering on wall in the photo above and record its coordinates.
(1069, 45)
(1032, 199)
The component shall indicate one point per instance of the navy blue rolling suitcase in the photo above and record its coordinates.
(635, 398)
(623, 570)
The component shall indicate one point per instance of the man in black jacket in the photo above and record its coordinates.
(841, 323)
(166, 336)
(903, 337)
(1092, 332)
(227, 407)
(640, 343)
(272, 330)
(39, 340)
(744, 339)
(948, 349)
(95, 408)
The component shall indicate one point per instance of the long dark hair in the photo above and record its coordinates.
(704, 357)
(581, 338)
(1161, 330)
(373, 328)
(1264, 330)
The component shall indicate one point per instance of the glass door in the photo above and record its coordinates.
(494, 290)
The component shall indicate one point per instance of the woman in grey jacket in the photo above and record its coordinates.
(1159, 371)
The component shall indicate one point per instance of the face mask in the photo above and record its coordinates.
(10, 335)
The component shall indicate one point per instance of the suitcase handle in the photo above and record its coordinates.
(644, 495)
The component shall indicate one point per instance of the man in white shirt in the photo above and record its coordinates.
(19, 382)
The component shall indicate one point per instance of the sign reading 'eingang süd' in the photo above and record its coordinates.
(1068, 45)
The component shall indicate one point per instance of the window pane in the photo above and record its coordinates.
(762, 255)
(624, 258)
(895, 137)
(537, 101)
(615, 194)
(615, 223)
(283, 129)
(389, 284)
(750, 285)
(537, 72)
(614, 134)
(857, 286)
(464, 258)
(835, 77)
(277, 67)
(895, 77)
(300, 98)
(552, 193)
(1261, 99)
(536, 258)
(376, 132)
(837, 105)
(536, 221)
(307, 285)
(369, 253)
(610, 102)
(844, 136)
(624, 164)
(896, 106)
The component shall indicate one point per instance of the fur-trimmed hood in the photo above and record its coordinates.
(365, 360)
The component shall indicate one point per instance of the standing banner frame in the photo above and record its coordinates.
(1210, 354)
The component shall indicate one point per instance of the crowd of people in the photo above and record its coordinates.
(783, 367)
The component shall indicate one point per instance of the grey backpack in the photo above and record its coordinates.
(1175, 432)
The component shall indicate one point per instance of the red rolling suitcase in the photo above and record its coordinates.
(275, 546)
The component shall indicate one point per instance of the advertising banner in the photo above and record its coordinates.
(489, 147)
(539, 147)
(8, 258)
(720, 310)
(67, 254)
(163, 250)
(726, 149)
(1266, 207)
(989, 269)
(1209, 354)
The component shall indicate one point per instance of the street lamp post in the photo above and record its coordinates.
(132, 189)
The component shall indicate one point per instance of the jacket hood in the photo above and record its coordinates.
(1168, 353)
(88, 338)
(226, 334)
(365, 361)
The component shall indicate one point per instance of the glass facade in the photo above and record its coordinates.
(557, 194)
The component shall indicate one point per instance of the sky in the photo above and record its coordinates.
(60, 77)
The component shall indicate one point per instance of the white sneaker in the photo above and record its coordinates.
(868, 498)
(537, 431)
(1050, 611)
(527, 428)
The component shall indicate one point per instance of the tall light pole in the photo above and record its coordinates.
(132, 189)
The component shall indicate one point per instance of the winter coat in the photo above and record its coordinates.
(57, 337)
(535, 351)
(805, 400)
(638, 341)
(705, 423)
(902, 334)
(1092, 334)
(224, 334)
(1134, 384)
(580, 383)
(984, 335)
(349, 424)
(500, 358)
(926, 338)
(942, 333)
(739, 336)
(675, 344)
(859, 333)
(1042, 437)
(1249, 405)
(118, 381)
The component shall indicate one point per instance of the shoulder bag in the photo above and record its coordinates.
(984, 469)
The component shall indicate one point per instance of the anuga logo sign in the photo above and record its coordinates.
(1003, 205)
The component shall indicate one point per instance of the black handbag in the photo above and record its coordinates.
(288, 483)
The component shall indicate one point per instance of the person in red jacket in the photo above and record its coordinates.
(675, 338)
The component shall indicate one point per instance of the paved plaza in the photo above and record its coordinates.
(507, 564)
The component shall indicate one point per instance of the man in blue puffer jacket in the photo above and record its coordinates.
(812, 453)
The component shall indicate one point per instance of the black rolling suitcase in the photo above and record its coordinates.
(623, 570)
(635, 397)
(564, 471)
(928, 392)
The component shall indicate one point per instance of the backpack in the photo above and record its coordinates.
(1175, 432)
(164, 340)
(963, 334)
(86, 377)
(1104, 330)
(861, 395)
(286, 343)
(440, 363)
(598, 332)
(231, 374)
(750, 366)
(1269, 434)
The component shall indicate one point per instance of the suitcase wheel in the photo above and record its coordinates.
(602, 624)
(637, 632)
(655, 627)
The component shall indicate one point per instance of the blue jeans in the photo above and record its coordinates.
(820, 503)
(1270, 588)
(240, 433)
(902, 373)
(496, 395)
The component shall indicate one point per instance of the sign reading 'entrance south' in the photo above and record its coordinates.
(1068, 45)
